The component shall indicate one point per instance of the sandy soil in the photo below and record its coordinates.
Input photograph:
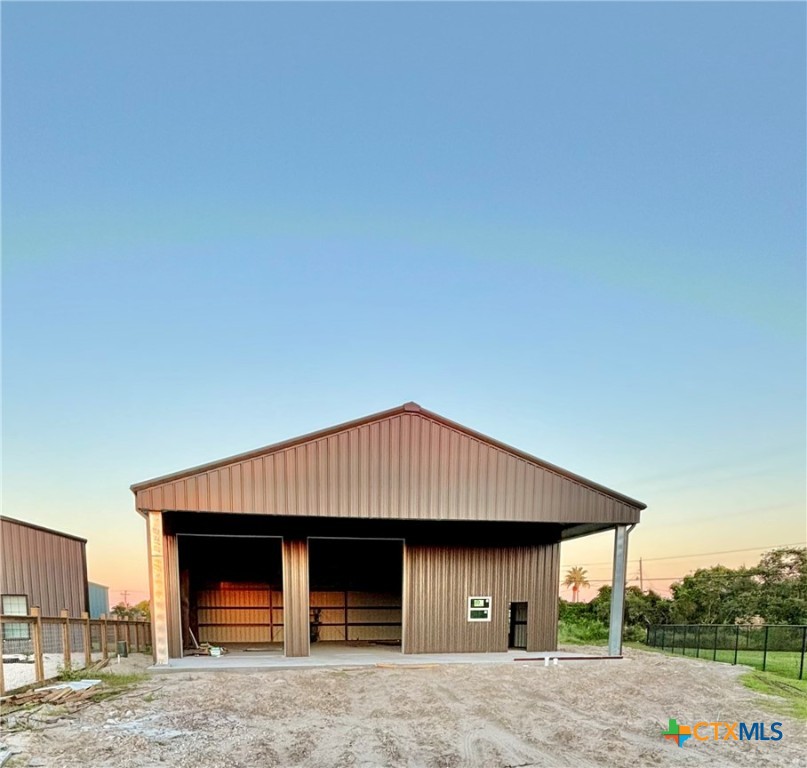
(517, 714)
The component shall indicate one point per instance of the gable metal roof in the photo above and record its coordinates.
(406, 462)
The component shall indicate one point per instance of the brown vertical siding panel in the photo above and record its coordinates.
(329, 466)
(295, 597)
(498, 493)
(301, 478)
(511, 484)
(440, 439)
(404, 462)
(277, 479)
(454, 505)
(47, 567)
(239, 499)
(180, 501)
(543, 621)
(168, 500)
(406, 465)
(374, 489)
(421, 468)
(430, 468)
(355, 472)
(344, 475)
(481, 482)
(312, 476)
(171, 561)
(440, 579)
(364, 471)
(467, 479)
(393, 470)
(289, 476)
(203, 492)
(538, 494)
(191, 495)
(529, 511)
(213, 491)
(258, 497)
(383, 469)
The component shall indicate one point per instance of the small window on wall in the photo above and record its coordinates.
(15, 605)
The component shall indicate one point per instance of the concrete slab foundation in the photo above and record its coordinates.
(344, 655)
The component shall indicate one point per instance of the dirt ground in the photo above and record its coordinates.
(588, 713)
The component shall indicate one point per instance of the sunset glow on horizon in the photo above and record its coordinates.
(286, 216)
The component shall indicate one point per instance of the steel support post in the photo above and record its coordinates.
(618, 590)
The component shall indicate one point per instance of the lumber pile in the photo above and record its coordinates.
(52, 695)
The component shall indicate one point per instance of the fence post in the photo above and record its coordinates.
(104, 639)
(67, 655)
(672, 644)
(736, 642)
(765, 651)
(85, 618)
(803, 649)
(714, 654)
(39, 665)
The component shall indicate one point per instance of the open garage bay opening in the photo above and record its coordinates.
(231, 591)
(355, 590)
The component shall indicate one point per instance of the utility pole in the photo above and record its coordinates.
(125, 594)
(641, 576)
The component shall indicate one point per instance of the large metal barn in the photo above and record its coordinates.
(401, 528)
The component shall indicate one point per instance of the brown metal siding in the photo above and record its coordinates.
(47, 567)
(407, 466)
(439, 580)
(171, 560)
(295, 597)
(240, 613)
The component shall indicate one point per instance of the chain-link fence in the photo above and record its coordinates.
(779, 648)
(37, 648)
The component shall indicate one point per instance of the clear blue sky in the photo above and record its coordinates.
(579, 228)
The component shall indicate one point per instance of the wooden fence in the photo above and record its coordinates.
(52, 643)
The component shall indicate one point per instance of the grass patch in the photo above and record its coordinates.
(582, 632)
(783, 663)
(793, 693)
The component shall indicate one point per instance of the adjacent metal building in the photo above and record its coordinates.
(399, 527)
(43, 568)
(99, 600)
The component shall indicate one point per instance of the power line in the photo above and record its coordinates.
(662, 578)
(694, 554)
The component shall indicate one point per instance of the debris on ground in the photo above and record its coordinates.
(206, 649)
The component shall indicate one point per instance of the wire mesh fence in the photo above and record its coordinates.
(38, 648)
(779, 648)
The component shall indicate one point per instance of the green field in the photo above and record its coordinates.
(784, 663)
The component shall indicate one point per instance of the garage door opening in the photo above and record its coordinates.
(231, 591)
(355, 591)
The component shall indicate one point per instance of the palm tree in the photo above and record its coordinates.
(576, 578)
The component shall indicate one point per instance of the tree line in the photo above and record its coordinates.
(774, 591)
